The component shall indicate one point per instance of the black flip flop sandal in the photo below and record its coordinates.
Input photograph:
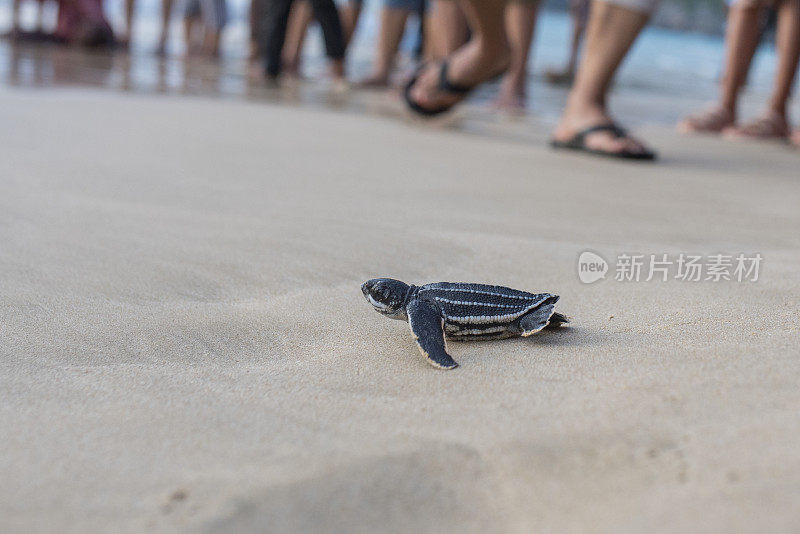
(443, 86)
(578, 142)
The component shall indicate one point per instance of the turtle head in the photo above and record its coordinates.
(387, 296)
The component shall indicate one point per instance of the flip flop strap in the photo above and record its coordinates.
(617, 131)
(447, 86)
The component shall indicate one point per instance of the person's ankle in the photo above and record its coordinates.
(514, 81)
(777, 111)
(290, 67)
(581, 113)
(494, 55)
(272, 71)
(581, 106)
(502, 58)
(379, 74)
(728, 107)
(337, 69)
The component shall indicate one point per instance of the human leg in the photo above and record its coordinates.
(520, 21)
(299, 19)
(275, 35)
(328, 17)
(16, 9)
(579, 12)
(613, 27)
(741, 40)
(350, 13)
(166, 13)
(215, 16)
(774, 123)
(447, 29)
(392, 27)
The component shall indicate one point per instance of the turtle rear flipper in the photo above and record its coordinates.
(428, 331)
(556, 320)
(537, 319)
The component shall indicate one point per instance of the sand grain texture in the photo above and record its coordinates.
(184, 345)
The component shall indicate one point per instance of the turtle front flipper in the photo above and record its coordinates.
(427, 328)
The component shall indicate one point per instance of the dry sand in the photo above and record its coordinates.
(184, 345)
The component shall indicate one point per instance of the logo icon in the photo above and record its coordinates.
(591, 267)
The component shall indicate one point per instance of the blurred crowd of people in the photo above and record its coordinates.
(84, 23)
(465, 43)
(499, 42)
(78, 21)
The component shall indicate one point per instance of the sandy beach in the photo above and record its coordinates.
(184, 345)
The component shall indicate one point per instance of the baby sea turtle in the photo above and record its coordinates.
(461, 311)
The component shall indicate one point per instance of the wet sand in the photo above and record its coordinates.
(667, 76)
(184, 345)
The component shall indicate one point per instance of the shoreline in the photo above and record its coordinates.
(668, 75)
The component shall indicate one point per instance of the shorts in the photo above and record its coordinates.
(750, 3)
(213, 12)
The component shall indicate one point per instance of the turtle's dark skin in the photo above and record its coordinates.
(461, 311)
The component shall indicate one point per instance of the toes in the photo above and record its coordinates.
(606, 143)
(421, 90)
(426, 92)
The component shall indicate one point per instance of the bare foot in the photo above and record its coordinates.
(375, 81)
(290, 67)
(575, 121)
(124, 41)
(771, 125)
(711, 120)
(796, 139)
(511, 96)
(339, 86)
(337, 70)
(255, 72)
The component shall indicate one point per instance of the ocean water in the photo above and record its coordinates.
(667, 74)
